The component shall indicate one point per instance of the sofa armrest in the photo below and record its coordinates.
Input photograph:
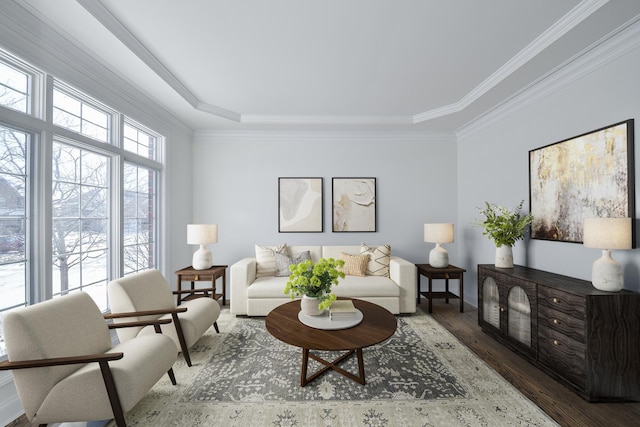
(403, 273)
(242, 274)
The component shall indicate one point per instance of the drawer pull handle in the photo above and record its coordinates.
(555, 300)
(555, 321)
(196, 278)
(555, 342)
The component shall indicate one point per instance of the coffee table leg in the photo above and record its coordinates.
(360, 367)
(333, 365)
(305, 363)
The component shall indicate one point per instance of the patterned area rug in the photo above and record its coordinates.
(422, 376)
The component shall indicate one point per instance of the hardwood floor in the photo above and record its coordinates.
(560, 403)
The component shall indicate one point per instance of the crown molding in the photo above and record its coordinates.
(583, 10)
(607, 49)
(32, 37)
(574, 17)
(325, 120)
(341, 137)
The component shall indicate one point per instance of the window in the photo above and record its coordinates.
(76, 114)
(13, 221)
(80, 223)
(14, 88)
(86, 192)
(139, 141)
(140, 220)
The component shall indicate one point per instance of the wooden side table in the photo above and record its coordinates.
(210, 274)
(446, 273)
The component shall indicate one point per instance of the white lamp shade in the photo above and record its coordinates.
(201, 234)
(438, 233)
(607, 233)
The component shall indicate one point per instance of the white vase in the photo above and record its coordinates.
(504, 256)
(309, 306)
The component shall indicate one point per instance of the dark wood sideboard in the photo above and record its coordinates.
(585, 338)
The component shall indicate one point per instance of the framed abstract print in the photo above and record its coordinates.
(587, 176)
(300, 205)
(353, 204)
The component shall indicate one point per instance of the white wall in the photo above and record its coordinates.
(493, 165)
(235, 184)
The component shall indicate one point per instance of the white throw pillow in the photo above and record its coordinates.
(379, 258)
(266, 259)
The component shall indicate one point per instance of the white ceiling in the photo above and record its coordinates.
(431, 65)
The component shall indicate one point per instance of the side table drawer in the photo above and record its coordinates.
(571, 304)
(562, 323)
(566, 356)
(196, 277)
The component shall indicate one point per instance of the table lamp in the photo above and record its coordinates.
(438, 233)
(202, 234)
(607, 234)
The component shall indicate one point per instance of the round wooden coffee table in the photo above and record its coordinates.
(377, 325)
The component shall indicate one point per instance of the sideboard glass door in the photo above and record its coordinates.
(491, 302)
(519, 316)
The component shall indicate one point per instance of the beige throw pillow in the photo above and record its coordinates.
(354, 265)
(379, 258)
(266, 259)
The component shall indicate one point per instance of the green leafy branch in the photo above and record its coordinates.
(503, 226)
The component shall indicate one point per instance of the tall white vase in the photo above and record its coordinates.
(504, 256)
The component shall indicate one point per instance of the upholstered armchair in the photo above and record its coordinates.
(149, 294)
(65, 368)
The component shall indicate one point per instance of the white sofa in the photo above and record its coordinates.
(257, 296)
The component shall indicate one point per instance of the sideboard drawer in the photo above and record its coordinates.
(566, 356)
(561, 323)
(571, 304)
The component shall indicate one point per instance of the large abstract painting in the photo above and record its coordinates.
(588, 176)
(300, 205)
(354, 204)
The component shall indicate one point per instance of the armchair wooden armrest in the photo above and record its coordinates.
(154, 323)
(145, 313)
(194, 291)
(57, 361)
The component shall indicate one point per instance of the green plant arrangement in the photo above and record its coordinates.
(315, 280)
(503, 226)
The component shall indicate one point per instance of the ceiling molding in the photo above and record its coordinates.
(574, 17)
(314, 137)
(325, 120)
(35, 39)
(544, 40)
(609, 48)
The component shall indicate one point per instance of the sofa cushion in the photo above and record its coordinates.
(354, 265)
(267, 287)
(266, 259)
(283, 262)
(379, 258)
(366, 286)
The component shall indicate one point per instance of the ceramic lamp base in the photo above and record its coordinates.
(606, 274)
(202, 259)
(438, 257)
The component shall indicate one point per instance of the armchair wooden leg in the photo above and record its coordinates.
(215, 325)
(172, 377)
(112, 392)
(183, 343)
